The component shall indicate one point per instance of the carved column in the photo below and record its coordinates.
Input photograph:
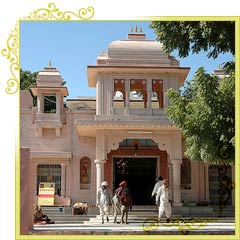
(58, 103)
(99, 97)
(40, 103)
(100, 158)
(149, 93)
(176, 163)
(170, 177)
(127, 98)
(99, 173)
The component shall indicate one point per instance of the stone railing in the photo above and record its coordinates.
(141, 112)
(49, 117)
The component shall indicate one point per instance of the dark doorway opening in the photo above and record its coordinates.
(140, 174)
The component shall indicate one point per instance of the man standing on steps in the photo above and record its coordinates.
(104, 201)
(162, 198)
(126, 201)
(157, 185)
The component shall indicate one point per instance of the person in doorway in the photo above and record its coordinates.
(104, 201)
(39, 217)
(126, 201)
(157, 185)
(162, 199)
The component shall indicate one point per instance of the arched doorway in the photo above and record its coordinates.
(140, 163)
(140, 174)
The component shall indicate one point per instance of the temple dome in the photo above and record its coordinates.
(49, 76)
(136, 50)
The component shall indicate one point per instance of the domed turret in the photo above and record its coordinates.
(136, 50)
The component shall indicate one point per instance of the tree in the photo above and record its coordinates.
(27, 79)
(207, 118)
(214, 36)
(204, 108)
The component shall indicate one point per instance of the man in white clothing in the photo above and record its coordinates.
(162, 198)
(104, 201)
(158, 184)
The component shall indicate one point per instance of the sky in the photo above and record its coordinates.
(72, 46)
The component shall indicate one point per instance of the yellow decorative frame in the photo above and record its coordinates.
(11, 52)
(52, 13)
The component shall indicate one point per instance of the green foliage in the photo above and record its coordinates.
(212, 36)
(207, 118)
(27, 79)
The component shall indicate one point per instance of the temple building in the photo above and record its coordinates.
(121, 134)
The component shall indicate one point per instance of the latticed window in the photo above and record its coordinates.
(49, 173)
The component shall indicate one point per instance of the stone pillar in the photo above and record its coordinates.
(111, 96)
(149, 93)
(99, 173)
(99, 99)
(26, 192)
(170, 177)
(176, 182)
(40, 103)
(127, 98)
(63, 179)
(58, 103)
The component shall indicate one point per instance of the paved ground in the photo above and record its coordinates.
(149, 227)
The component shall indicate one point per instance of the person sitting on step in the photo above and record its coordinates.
(39, 217)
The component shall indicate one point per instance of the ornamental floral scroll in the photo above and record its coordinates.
(52, 13)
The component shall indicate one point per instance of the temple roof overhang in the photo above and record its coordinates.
(50, 90)
(92, 71)
(89, 128)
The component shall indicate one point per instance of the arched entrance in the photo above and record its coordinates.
(140, 174)
(139, 162)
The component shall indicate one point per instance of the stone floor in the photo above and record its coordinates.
(148, 227)
(142, 221)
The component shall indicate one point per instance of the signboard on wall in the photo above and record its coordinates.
(46, 193)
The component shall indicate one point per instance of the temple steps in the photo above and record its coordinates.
(139, 214)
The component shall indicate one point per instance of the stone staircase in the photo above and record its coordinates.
(65, 216)
(139, 214)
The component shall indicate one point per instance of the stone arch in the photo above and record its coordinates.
(164, 141)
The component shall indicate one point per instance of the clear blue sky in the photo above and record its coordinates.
(72, 46)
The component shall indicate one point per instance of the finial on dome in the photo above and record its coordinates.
(103, 52)
(136, 29)
(140, 29)
(131, 29)
(219, 66)
(50, 63)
